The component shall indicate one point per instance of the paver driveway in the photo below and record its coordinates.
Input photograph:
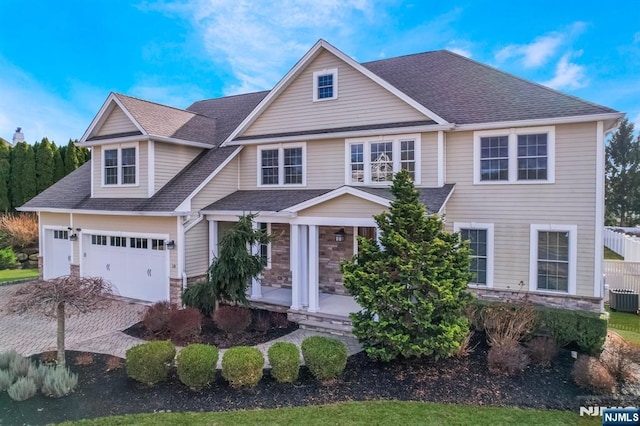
(97, 331)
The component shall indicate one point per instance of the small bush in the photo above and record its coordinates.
(156, 317)
(49, 357)
(23, 388)
(20, 366)
(279, 320)
(325, 357)
(587, 330)
(38, 373)
(590, 374)
(509, 359)
(6, 380)
(200, 296)
(8, 259)
(284, 358)
(262, 321)
(504, 324)
(150, 362)
(617, 358)
(197, 365)
(232, 319)
(21, 229)
(113, 363)
(7, 357)
(85, 358)
(242, 366)
(59, 382)
(542, 350)
(185, 323)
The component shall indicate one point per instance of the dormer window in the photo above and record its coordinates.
(325, 85)
(120, 165)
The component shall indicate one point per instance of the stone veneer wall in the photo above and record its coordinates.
(74, 270)
(279, 275)
(571, 302)
(331, 254)
(40, 268)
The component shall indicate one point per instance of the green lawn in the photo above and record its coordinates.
(358, 413)
(17, 274)
(626, 325)
(610, 255)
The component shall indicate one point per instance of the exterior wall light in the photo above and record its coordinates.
(340, 235)
(170, 245)
(73, 237)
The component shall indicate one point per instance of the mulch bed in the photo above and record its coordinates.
(277, 322)
(456, 380)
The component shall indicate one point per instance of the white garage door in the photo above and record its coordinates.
(137, 267)
(57, 253)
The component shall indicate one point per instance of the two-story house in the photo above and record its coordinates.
(515, 167)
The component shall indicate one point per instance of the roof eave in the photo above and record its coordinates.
(102, 212)
(540, 121)
(155, 138)
(101, 117)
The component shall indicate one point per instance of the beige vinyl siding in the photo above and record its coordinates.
(344, 206)
(512, 208)
(429, 159)
(54, 219)
(117, 122)
(130, 224)
(169, 160)
(138, 191)
(223, 184)
(360, 101)
(197, 249)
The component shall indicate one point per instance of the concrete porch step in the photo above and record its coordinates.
(327, 327)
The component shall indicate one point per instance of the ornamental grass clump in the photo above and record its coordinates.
(284, 358)
(38, 373)
(325, 357)
(23, 388)
(59, 382)
(196, 365)
(590, 374)
(7, 357)
(6, 380)
(19, 366)
(242, 366)
(150, 362)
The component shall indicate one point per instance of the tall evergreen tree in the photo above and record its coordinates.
(622, 195)
(22, 182)
(412, 285)
(45, 166)
(5, 170)
(71, 157)
(58, 163)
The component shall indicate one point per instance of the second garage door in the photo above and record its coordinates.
(136, 266)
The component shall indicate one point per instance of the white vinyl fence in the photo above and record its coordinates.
(621, 274)
(625, 245)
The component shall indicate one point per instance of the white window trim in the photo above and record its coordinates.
(119, 148)
(512, 134)
(533, 256)
(268, 246)
(281, 147)
(489, 227)
(366, 142)
(316, 74)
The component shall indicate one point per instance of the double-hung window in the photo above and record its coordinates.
(553, 258)
(325, 85)
(282, 165)
(480, 240)
(376, 161)
(521, 155)
(120, 165)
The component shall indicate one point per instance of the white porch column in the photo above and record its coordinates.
(294, 259)
(304, 264)
(256, 290)
(314, 291)
(213, 240)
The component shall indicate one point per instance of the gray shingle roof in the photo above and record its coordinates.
(464, 91)
(432, 198)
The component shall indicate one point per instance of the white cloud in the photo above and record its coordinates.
(27, 104)
(568, 75)
(261, 41)
(636, 122)
(541, 49)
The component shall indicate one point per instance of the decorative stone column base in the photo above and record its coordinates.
(175, 291)
(570, 302)
(40, 268)
(74, 270)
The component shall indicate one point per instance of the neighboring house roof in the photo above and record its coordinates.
(464, 91)
(277, 200)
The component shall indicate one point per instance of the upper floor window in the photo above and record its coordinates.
(525, 155)
(325, 85)
(376, 161)
(120, 165)
(282, 164)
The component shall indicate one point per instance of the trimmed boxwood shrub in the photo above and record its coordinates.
(150, 362)
(325, 357)
(284, 358)
(242, 366)
(197, 365)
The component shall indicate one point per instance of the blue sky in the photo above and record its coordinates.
(60, 60)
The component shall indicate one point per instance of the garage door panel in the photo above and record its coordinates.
(57, 256)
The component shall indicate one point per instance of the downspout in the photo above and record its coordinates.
(183, 231)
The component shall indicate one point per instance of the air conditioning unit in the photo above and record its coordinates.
(623, 300)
